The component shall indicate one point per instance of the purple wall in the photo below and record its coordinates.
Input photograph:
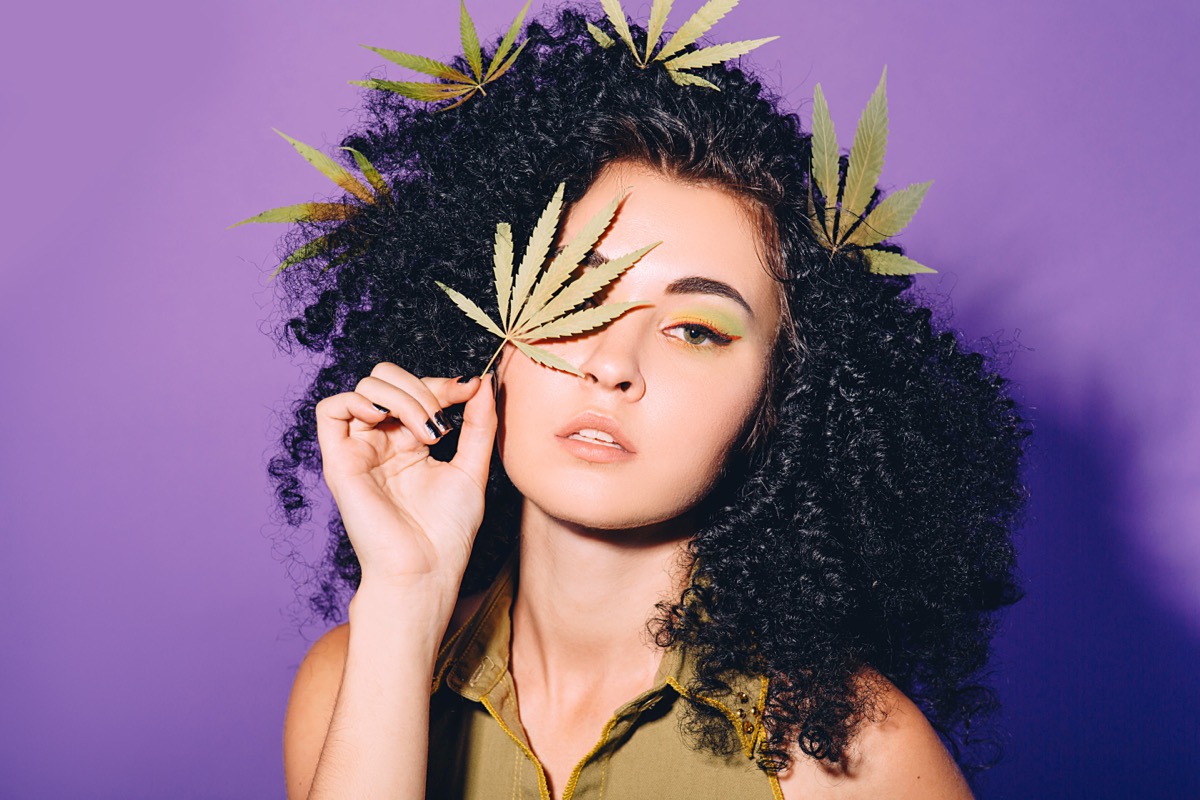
(147, 649)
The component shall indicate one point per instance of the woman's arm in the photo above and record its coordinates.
(897, 757)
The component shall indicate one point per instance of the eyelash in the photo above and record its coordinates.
(715, 337)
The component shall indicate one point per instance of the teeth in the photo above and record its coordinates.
(593, 435)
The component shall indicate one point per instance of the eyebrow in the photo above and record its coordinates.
(693, 284)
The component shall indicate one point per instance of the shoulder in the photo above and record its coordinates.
(896, 754)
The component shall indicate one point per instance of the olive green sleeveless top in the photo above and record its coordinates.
(478, 749)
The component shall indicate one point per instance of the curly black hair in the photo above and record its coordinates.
(866, 530)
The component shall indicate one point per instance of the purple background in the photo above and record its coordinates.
(149, 644)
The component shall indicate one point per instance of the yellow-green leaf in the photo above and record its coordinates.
(883, 262)
(508, 63)
(502, 261)
(579, 322)
(697, 25)
(316, 212)
(583, 287)
(891, 215)
(506, 44)
(427, 92)
(546, 358)
(421, 64)
(370, 173)
(824, 154)
(602, 38)
(330, 169)
(473, 311)
(535, 252)
(565, 262)
(866, 153)
(616, 15)
(306, 251)
(687, 79)
(658, 18)
(470, 41)
(708, 56)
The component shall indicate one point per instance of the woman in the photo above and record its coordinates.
(755, 551)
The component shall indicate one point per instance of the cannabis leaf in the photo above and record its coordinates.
(696, 26)
(457, 83)
(324, 212)
(842, 224)
(538, 304)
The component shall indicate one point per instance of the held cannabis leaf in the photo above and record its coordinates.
(457, 83)
(841, 223)
(696, 26)
(538, 304)
(325, 212)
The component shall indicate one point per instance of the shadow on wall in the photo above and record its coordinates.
(1100, 683)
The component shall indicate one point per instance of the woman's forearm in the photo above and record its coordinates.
(378, 738)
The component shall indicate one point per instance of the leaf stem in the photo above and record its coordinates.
(489, 364)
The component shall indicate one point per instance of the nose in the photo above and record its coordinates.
(612, 361)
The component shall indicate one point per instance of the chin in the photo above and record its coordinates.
(606, 508)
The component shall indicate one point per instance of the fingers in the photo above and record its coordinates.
(478, 431)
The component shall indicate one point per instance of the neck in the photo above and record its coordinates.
(584, 598)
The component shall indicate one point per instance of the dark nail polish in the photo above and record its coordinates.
(464, 378)
(381, 408)
(432, 430)
(442, 422)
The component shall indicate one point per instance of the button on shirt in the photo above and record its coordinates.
(478, 748)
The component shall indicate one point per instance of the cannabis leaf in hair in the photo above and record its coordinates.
(531, 312)
(458, 84)
(842, 225)
(696, 26)
(323, 212)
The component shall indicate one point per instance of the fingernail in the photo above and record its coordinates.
(464, 378)
(492, 381)
(432, 430)
(381, 408)
(442, 422)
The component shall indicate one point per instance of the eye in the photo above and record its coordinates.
(697, 335)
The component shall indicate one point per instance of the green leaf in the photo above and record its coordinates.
(506, 44)
(473, 311)
(470, 41)
(708, 56)
(370, 173)
(504, 67)
(583, 287)
(697, 25)
(535, 252)
(616, 15)
(581, 321)
(502, 260)
(546, 358)
(883, 262)
(317, 212)
(330, 169)
(427, 92)
(687, 79)
(565, 262)
(602, 38)
(306, 251)
(824, 155)
(891, 215)
(422, 64)
(866, 153)
(658, 18)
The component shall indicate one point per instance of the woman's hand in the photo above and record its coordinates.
(411, 518)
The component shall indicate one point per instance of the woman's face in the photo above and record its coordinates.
(674, 381)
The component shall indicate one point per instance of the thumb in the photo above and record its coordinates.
(474, 455)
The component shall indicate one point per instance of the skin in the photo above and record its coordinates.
(600, 541)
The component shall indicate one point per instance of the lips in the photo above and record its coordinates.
(596, 429)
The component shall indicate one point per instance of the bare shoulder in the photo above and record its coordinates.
(896, 755)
